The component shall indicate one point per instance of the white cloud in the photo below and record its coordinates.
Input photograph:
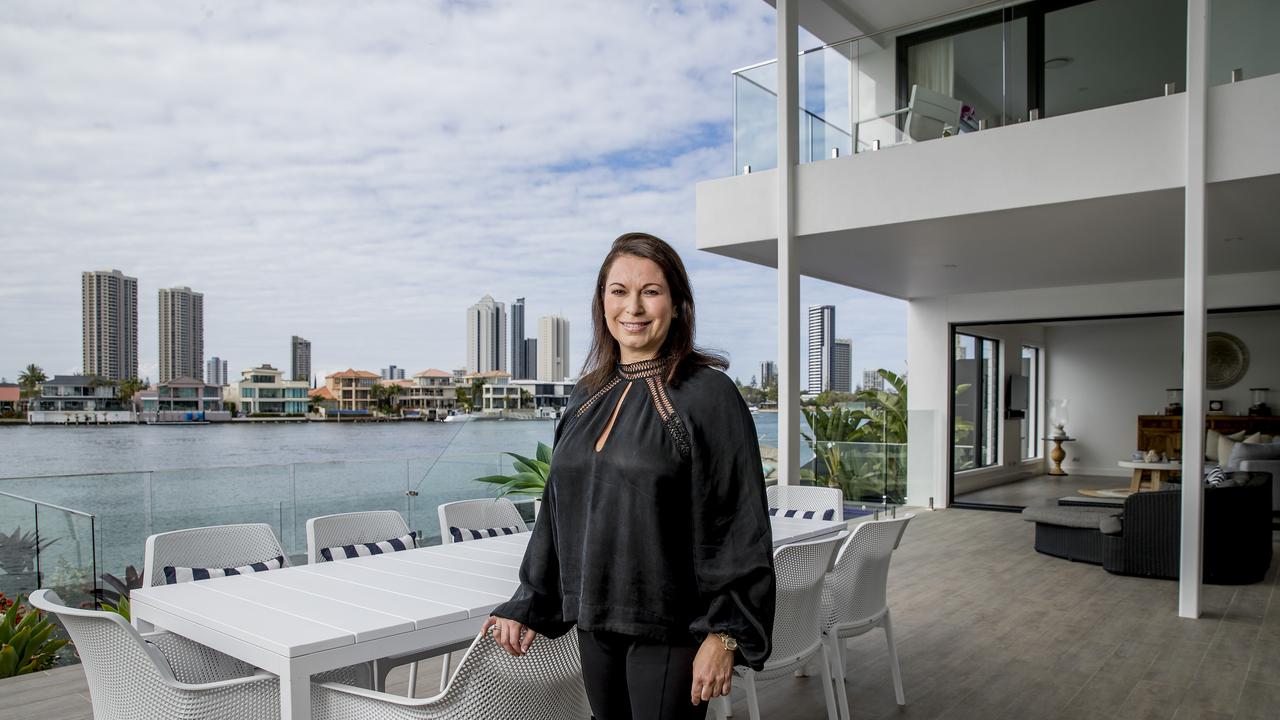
(359, 174)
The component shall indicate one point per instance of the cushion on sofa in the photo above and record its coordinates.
(1111, 525)
(1258, 439)
(1067, 516)
(1226, 443)
(1252, 451)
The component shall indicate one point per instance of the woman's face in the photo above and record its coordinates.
(637, 307)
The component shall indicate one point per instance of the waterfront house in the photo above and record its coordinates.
(79, 399)
(429, 394)
(353, 390)
(11, 400)
(325, 399)
(1047, 184)
(264, 391)
(497, 392)
(183, 399)
(549, 398)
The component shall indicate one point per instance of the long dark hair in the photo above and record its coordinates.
(678, 346)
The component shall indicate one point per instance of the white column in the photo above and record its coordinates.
(1193, 318)
(788, 276)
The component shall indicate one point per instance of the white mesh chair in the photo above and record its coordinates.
(352, 529)
(367, 527)
(217, 546)
(136, 675)
(479, 515)
(171, 678)
(797, 631)
(544, 684)
(806, 497)
(854, 598)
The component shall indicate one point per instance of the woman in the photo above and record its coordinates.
(654, 536)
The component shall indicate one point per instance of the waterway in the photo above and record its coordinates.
(139, 479)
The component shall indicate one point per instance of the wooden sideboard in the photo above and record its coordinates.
(1163, 433)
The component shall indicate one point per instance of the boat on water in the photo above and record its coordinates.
(458, 417)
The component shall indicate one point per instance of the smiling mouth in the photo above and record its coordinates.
(636, 326)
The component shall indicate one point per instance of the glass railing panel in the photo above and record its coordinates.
(871, 473)
(450, 478)
(119, 501)
(988, 67)
(194, 497)
(755, 112)
(1109, 52)
(345, 486)
(18, 543)
(825, 118)
(67, 558)
(924, 464)
(1242, 42)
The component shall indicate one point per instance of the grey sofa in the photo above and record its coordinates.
(1237, 533)
(1073, 533)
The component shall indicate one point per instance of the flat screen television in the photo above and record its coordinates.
(1018, 397)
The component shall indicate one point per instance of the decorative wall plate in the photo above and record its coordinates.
(1227, 360)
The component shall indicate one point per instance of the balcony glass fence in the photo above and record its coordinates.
(45, 545)
(986, 67)
(1242, 42)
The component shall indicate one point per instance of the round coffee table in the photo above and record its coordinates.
(1160, 472)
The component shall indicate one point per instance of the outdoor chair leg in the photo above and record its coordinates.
(444, 671)
(826, 685)
(893, 659)
(838, 673)
(753, 702)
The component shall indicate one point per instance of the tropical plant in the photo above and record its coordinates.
(30, 378)
(129, 388)
(26, 645)
(882, 421)
(384, 396)
(531, 474)
(18, 551)
(116, 597)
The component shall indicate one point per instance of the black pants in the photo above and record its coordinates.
(629, 678)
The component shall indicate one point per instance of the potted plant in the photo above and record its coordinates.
(530, 479)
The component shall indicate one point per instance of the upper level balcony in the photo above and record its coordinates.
(1008, 128)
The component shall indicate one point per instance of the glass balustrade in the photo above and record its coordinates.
(995, 65)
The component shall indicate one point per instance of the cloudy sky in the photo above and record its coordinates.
(360, 173)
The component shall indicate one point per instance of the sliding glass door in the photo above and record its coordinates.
(976, 392)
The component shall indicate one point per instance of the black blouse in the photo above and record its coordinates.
(663, 533)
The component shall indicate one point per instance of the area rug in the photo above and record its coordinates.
(1107, 492)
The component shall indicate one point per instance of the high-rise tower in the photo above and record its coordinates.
(109, 303)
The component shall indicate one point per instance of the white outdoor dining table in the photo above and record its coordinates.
(299, 621)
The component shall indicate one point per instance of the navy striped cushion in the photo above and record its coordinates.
(174, 575)
(463, 534)
(828, 514)
(343, 552)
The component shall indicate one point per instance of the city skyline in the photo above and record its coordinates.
(360, 263)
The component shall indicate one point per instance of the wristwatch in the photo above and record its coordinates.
(730, 643)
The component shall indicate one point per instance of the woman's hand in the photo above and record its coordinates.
(508, 634)
(712, 670)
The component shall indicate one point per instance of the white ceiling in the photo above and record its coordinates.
(1107, 240)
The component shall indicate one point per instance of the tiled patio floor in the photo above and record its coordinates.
(988, 629)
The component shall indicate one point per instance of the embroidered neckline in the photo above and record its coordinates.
(653, 367)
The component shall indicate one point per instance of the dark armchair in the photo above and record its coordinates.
(1237, 532)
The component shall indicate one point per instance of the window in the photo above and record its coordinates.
(975, 400)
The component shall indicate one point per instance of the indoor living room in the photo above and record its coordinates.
(1112, 384)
